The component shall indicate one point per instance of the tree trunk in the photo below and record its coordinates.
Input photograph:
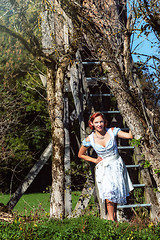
(56, 27)
(55, 104)
(145, 178)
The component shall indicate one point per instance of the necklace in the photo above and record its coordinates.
(100, 137)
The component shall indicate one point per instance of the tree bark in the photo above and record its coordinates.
(55, 105)
(55, 40)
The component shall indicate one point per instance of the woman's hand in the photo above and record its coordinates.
(82, 155)
(98, 159)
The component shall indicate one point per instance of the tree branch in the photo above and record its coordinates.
(16, 35)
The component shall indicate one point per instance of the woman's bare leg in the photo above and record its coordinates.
(112, 210)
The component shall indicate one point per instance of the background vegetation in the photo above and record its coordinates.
(24, 122)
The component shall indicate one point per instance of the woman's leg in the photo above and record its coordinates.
(112, 210)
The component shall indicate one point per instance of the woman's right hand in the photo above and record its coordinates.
(99, 159)
(82, 155)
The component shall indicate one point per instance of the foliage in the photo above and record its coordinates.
(157, 171)
(156, 190)
(24, 121)
(22, 16)
(25, 127)
(135, 142)
(146, 164)
(150, 11)
(86, 227)
(139, 195)
(141, 213)
(13, 59)
(146, 26)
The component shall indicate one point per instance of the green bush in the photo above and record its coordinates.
(82, 228)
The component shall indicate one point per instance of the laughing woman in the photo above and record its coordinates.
(111, 175)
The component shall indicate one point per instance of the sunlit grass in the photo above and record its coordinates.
(34, 202)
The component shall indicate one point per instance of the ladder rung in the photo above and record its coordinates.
(96, 79)
(101, 95)
(125, 147)
(138, 185)
(92, 84)
(134, 205)
(90, 63)
(124, 129)
(132, 166)
(91, 78)
(110, 111)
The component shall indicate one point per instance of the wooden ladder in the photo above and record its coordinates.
(95, 86)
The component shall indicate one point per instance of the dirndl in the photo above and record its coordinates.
(112, 180)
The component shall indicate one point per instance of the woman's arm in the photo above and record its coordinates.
(82, 154)
(126, 135)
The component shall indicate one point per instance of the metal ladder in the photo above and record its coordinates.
(92, 81)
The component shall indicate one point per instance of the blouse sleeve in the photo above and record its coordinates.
(86, 143)
(115, 131)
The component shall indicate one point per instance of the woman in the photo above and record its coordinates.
(111, 175)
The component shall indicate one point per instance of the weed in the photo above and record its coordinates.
(146, 164)
(82, 228)
(135, 142)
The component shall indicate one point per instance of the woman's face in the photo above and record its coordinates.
(98, 123)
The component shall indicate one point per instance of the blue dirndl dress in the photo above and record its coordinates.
(111, 175)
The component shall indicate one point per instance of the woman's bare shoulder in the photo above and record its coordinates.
(87, 139)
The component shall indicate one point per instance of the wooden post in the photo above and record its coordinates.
(78, 98)
(79, 91)
(80, 94)
(82, 78)
(85, 196)
(102, 205)
(67, 168)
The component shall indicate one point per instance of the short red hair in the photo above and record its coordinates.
(93, 116)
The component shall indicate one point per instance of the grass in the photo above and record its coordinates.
(31, 202)
(31, 221)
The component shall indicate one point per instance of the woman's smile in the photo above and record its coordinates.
(98, 123)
